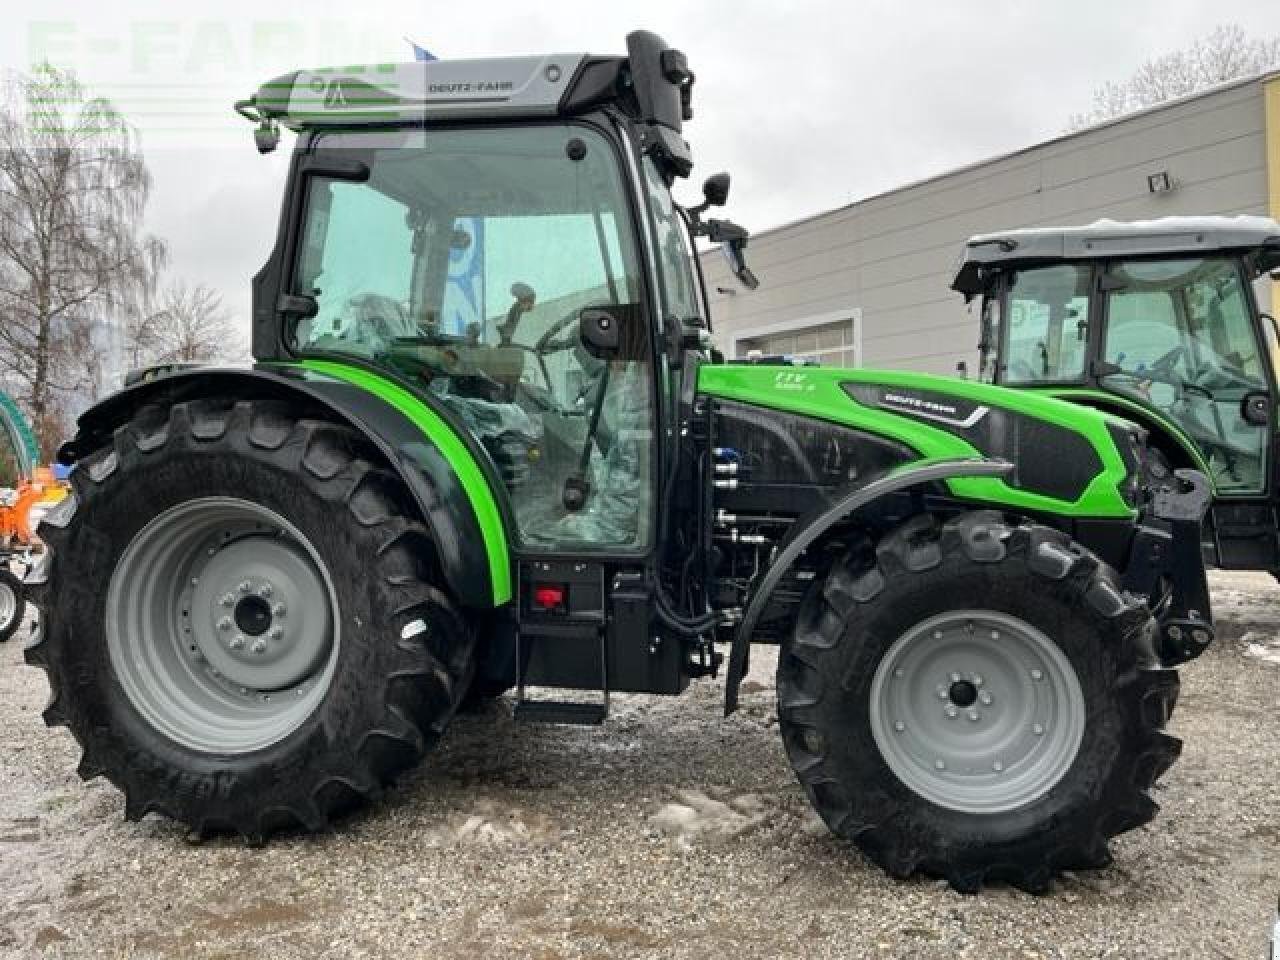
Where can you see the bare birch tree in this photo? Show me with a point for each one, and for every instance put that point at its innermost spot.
(73, 258)
(1227, 53)
(190, 324)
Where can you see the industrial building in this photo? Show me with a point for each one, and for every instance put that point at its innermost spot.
(868, 284)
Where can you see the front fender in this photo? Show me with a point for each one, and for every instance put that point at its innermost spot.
(448, 480)
(805, 533)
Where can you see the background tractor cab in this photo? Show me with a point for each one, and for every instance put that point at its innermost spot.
(1157, 321)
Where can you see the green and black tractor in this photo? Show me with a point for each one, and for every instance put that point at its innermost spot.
(1158, 321)
(486, 445)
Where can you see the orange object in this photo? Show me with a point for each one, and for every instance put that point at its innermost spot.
(34, 498)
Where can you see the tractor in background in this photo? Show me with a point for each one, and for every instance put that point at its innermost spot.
(1160, 322)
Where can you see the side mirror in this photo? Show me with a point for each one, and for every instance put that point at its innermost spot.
(1255, 408)
(600, 332)
(733, 241)
(715, 190)
(735, 253)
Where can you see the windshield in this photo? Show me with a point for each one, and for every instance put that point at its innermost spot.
(1180, 337)
(464, 264)
(680, 293)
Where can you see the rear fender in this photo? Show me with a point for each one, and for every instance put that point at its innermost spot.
(450, 481)
(809, 530)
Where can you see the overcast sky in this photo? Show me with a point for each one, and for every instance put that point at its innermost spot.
(809, 105)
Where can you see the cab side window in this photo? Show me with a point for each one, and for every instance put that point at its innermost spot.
(1045, 323)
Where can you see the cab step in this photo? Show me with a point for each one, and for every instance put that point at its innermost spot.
(561, 711)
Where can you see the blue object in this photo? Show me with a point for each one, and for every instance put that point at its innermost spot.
(61, 471)
(421, 53)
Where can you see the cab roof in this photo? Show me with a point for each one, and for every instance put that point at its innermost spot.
(989, 252)
(536, 86)
(652, 85)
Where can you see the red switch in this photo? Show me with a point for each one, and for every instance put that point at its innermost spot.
(548, 597)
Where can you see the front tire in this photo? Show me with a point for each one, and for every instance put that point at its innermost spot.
(243, 626)
(13, 603)
(977, 702)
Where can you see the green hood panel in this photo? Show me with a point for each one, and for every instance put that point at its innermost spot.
(1142, 415)
(455, 452)
(819, 392)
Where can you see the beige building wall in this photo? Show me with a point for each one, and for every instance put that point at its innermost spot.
(882, 266)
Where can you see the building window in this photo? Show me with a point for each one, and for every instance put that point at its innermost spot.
(833, 340)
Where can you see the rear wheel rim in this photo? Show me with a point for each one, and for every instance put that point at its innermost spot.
(977, 711)
(8, 606)
(222, 625)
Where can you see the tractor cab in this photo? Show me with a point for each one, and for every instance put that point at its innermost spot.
(501, 236)
(1162, 322)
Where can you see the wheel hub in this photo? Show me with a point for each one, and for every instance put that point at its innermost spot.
(265, 622)
(977, 711)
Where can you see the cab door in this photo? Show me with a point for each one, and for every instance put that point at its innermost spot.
(1180, 338)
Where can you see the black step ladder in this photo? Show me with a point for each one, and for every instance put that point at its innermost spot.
(560, 711)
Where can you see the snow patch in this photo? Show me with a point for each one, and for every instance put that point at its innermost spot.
(1262, 646)
(491, 824)
(697, 815)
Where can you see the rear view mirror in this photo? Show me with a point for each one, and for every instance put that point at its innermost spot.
(715, 190)
(734, 252)
(733, 241)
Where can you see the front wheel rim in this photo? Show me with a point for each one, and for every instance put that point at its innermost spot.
(977, 711)
(222, 625)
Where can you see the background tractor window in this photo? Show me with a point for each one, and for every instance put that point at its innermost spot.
(463, 264)
(1044, 326)
(1179, 337)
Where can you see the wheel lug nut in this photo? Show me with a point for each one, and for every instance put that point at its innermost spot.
(937, 634)
(265, 591)
(276, 633)
(952, 711)
(955, 678)
(942, 693)
(997, 766)
(985, 698)
(977, 679)
(899, 726)
(228, 599)
(995, 634)
(1036, 675)
(224, 623)
(940, 764)
(245, 586)
(259, 646)
(278, 610)
(1038, 730)
(237, 642)
(974, 716)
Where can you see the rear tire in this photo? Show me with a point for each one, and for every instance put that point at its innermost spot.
(13, 604)
(1042, 750)
(298, 526)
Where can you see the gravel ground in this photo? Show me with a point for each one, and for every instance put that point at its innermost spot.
(671, 832)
